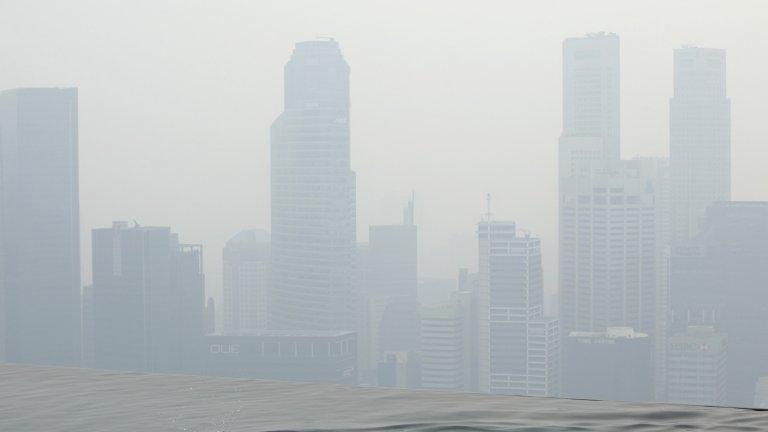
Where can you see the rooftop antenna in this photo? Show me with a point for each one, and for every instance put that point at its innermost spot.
(408, 211)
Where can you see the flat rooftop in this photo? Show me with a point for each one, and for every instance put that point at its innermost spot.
(65, 399)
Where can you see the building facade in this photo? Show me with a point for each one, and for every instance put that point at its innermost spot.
(148, 300)
(616, 364)
(39, 227)
(591, 90)
(696, 369)
(442, 347)
(283, 355)
(247, 281)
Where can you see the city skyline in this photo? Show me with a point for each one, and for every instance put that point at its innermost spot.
(650, 285)
(222, 111)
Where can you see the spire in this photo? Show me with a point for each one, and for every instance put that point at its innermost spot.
(408, 211)
(488, 207)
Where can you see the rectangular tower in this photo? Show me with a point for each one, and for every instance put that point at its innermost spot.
(148, 293)
(247, 281)
(39, 227)
(519, 351)
(591, 90)
(699, 137)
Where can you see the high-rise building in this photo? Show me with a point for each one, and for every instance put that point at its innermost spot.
(387, 291)
(591, 91)
(247, 281)
(313, 194)
(696, 366)
(613, 213)
(442, 346)
(610, 247)
(39, 227)
(719, 279)
(699, 137)
(466, 296)
(616, 364)
(148, 292)
(519, 348)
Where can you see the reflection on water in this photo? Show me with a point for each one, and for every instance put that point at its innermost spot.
(60, 399)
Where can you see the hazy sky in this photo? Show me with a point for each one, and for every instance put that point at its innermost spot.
(451, 99)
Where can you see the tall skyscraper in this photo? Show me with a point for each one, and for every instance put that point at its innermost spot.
(719, 279)
(699, 138)
(614, 214)
(591, 90)
(39, 227)
(313, 194)
(148, 293)
(247, 281)
(519, 347)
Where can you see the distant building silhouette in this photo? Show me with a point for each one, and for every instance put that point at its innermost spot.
(392, 255)
(39, 227)
(148, 292)
(389, 316)
(247, 281)
(313, 194)
(719, 279)
(699, 137)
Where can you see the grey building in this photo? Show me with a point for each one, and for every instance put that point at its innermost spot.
(719, 279)
(392, 258)
(443, 330)
(247, 281)
(699, 137)
(39, 227)
(614, 214)
(324, 356)
(148, 292)
(611, 247)
(519, 348)
(313, 194)
(591, 95)
(697, 358)
(615, 364)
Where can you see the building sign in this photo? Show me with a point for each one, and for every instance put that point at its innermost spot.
(224, 349)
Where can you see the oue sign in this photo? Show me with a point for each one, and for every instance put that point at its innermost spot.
(224, 348)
